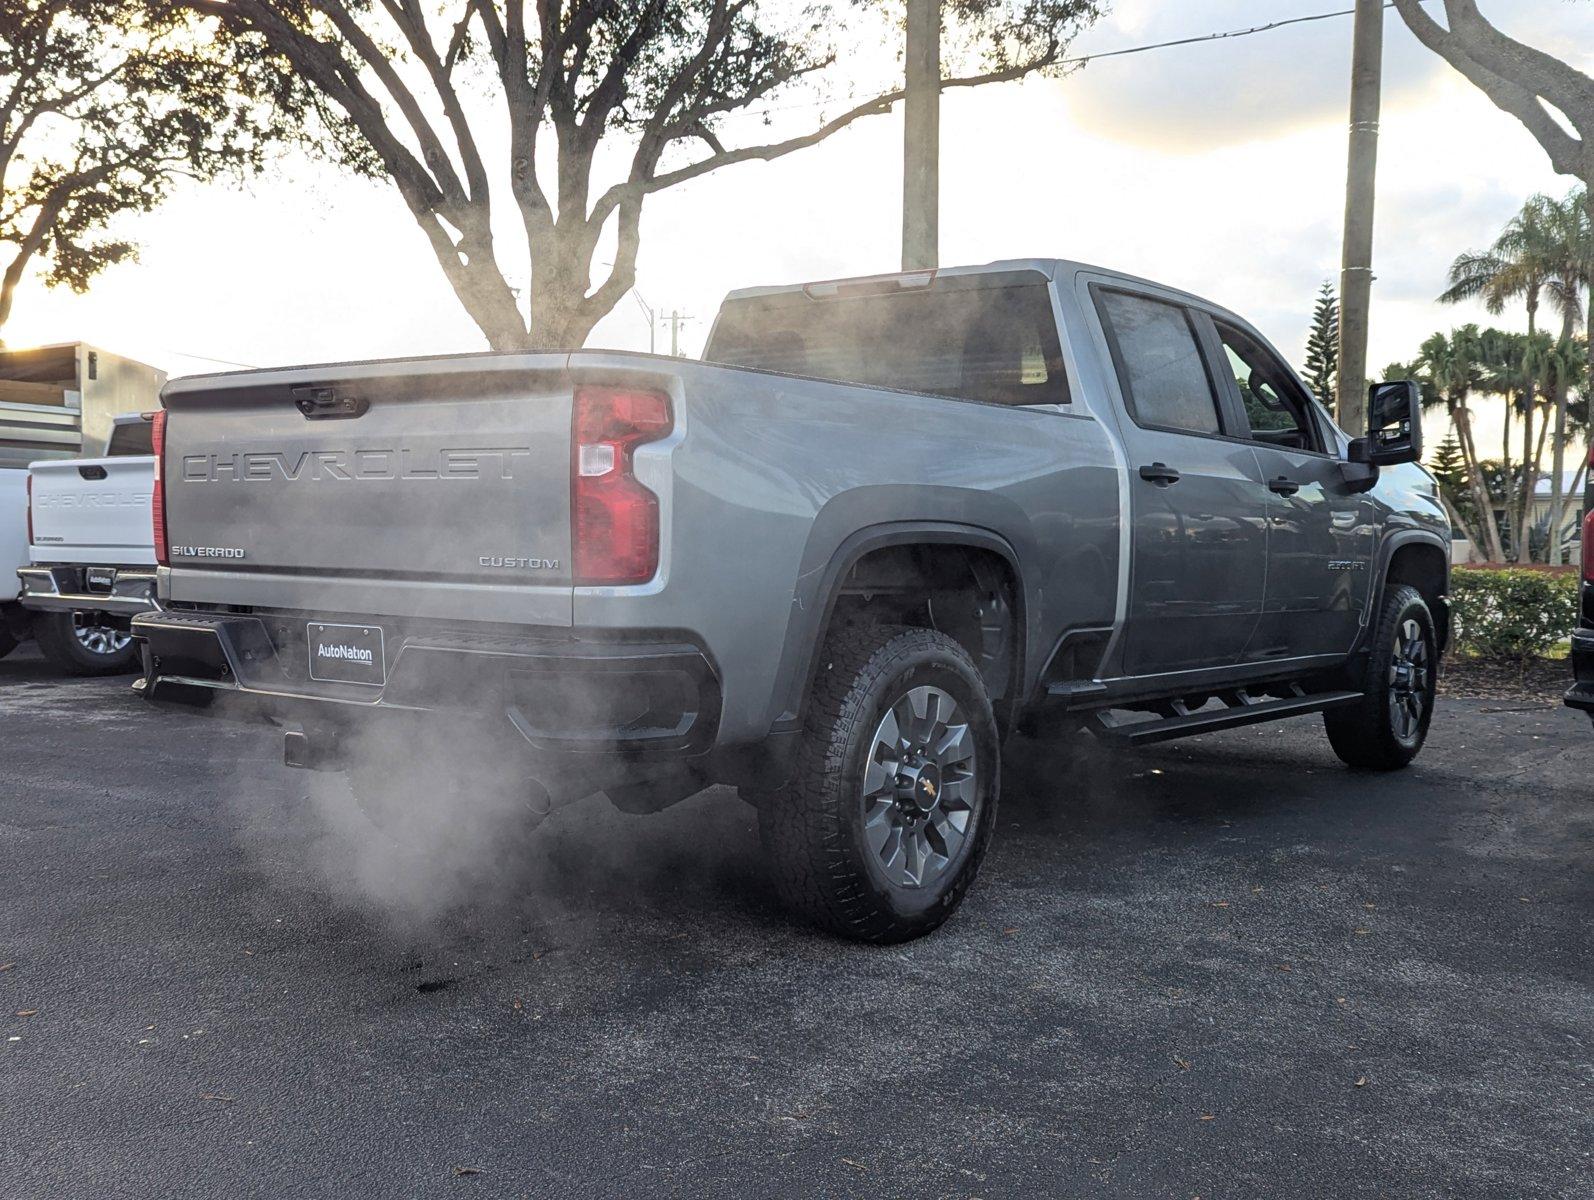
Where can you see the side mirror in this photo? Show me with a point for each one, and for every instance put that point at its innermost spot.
(1394, 423)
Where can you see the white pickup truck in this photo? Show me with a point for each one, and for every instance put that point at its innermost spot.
(91, 552)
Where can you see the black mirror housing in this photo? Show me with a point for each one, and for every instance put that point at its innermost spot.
(1394, 422)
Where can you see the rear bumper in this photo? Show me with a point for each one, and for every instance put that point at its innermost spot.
(128, 592)
(1581, 693)
(556, 695)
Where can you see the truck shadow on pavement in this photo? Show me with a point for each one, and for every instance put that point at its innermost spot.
(1070, 816)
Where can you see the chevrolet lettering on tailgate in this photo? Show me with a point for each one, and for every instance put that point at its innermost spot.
(488, 462)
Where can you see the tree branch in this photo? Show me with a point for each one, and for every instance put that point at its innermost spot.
(877, 105)
(1518, 99)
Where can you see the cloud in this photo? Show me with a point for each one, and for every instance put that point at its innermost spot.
(1196, 98)
(1215, 168)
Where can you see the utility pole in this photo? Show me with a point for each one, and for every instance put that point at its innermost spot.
(676, 319)
(921, 149)
(652, 319)
(1356, 276)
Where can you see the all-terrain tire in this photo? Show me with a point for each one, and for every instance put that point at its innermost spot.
(1373, 733)
(824, 863)
(59, 642)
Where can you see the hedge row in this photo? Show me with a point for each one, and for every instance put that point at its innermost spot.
(1511, 612)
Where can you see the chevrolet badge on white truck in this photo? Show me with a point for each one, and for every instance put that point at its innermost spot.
(883, 524)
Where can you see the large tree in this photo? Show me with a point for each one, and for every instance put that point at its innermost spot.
(1451, 369)
(1543, 254)
(104, 105)
(659, 92)
(1553, 99)
(1571, 259)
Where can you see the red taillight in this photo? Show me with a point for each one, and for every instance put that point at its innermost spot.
(614, 520)
(30, 510)
(157, 499)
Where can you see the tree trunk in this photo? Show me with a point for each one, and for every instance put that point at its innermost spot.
(1577, 479)
(1532, 472)
(1507, 484)
(1457, 521)
(560, 317)
(9, 283)
(1522, 552)
(1490, 545)
(1558, 451)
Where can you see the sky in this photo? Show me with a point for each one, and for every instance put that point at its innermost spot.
(1218, 168)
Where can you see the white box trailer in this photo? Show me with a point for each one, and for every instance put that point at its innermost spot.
(59, 401)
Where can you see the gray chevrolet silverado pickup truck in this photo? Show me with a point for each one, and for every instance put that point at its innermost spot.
(884, 523)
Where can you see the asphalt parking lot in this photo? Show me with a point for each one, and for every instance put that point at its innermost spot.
(1224, 967)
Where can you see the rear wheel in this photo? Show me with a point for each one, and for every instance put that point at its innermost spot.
(84, 649)
(1386, 729)
(882, 829)
(7, 642)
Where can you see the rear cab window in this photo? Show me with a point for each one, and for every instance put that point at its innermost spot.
(961, 337)
(131, 437)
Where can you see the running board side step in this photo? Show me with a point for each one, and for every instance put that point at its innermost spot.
(1176, 720)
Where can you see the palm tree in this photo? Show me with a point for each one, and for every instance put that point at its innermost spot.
(1545, 252)
(1513, 268)
(1565, 367)
(1449, 369)
(1512, 364)
(1570, 257)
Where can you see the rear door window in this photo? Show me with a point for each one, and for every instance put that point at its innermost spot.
(1160, 368)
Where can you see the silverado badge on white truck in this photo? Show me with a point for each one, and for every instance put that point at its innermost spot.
(884, 524)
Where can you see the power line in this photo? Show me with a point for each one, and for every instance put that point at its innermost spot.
(1223, 35)
(1199, 39)
(226, 362)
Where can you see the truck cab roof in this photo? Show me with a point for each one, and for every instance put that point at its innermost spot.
(999, 271)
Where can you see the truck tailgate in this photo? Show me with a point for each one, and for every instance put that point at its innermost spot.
(433, 488)
(93, 511)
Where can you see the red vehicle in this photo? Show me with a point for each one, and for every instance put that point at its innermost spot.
(1581, 694)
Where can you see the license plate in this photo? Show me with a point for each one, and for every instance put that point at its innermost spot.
(346, 653)
(101, 579)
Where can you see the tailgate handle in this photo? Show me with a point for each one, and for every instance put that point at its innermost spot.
(324, 403)
(95, 472)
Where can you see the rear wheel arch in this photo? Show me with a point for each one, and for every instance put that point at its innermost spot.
(872, 566)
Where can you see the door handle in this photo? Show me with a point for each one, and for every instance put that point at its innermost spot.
(1283, 486)
(1160, 474)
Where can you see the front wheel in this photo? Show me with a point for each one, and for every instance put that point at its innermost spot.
(1386, 728)
(881, 831)
(85, 649)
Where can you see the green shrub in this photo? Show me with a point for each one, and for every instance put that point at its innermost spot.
(1512, 612)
